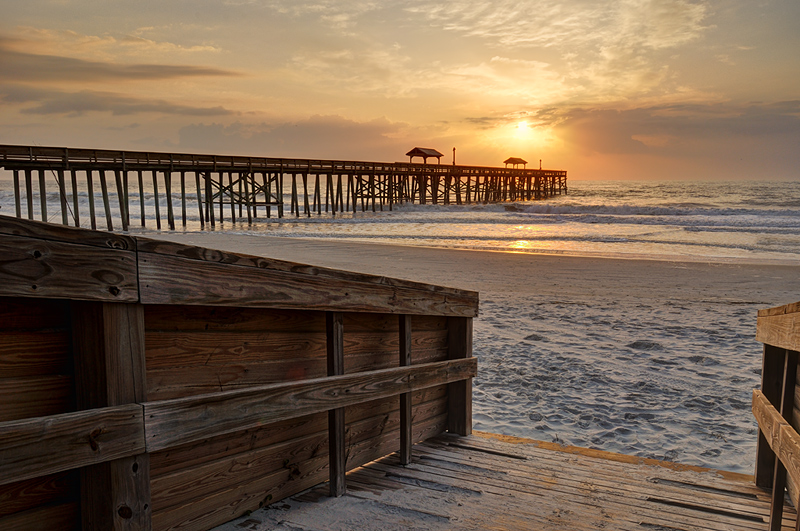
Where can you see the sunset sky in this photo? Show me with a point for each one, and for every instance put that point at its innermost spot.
(624, 89)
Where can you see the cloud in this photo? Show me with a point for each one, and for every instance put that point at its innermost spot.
(643, 23)
(326, 137)
(684, 131)
(54, 102)
(27, 67)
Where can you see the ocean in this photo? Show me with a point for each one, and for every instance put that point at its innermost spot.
(667, 378)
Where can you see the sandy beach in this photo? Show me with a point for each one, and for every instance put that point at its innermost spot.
(643, 357)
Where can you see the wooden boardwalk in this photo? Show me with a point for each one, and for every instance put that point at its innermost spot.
(493, 482)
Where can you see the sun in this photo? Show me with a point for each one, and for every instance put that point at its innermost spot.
(523, 129)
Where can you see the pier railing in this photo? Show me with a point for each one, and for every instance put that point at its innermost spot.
(150, 385)
(127, 188)
(777, 408)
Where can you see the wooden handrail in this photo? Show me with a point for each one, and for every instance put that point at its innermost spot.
(781, 436)
(44, 445)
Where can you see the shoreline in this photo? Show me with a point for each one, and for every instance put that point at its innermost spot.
(214, 236)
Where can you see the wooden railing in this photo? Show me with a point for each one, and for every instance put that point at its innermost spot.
(777, 408)
(179, 387)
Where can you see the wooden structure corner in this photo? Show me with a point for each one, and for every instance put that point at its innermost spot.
(149, 385)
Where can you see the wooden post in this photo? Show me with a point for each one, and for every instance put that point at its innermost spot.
(334, 323)
(199, 199)
(183, 198)
(29, 193)
(772, 366)
(168, 194)
(233, 204)
(406, 431)
(62, 196)
(459, 340)
(75, 203)
(141, 197)
(786, 406)
(90, 190)
(108, 343)
(123, 207)
(42, 196)
(17, 198)
(155, 199)
(106, 206)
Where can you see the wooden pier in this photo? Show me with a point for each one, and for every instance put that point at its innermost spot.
(214, 189)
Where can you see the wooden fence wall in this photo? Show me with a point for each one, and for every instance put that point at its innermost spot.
(151, 385)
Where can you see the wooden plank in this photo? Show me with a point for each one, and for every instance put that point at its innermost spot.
(47, 231)
(110, 371)
(179, 421)
(172, 280)
(31, 493)
(460, 393)
(45, 518)
(35, 353)
(780, 310)
(46, 445)
(179, 382)
(780, 435)
(196, 348)
(780, 330)
(164, 318)
(172, 249)
(35, 397)
(224, 505)
(405, 338)
(334, 322)
(39, 268)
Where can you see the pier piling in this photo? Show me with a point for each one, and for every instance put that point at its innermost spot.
(220, 181)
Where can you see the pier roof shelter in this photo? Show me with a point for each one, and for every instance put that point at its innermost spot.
(424, 153)
(516, 161)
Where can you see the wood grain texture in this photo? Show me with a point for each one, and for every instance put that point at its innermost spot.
(165, 318)
(172, 280)
(31, 267)
(334, 329)
(59, 233)
(44, 490)
(782, 438)
(46, 445)
(223, 257)
(780, 330)
(64, 516)
(110, 371)
(460, 392)
(780, 310)
(179, 421)
(39, 396)
(35, 353)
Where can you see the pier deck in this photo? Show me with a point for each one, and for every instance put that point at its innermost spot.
(494, 482)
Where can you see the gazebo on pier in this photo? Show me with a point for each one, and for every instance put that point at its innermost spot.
(515, 161)
(424, 153)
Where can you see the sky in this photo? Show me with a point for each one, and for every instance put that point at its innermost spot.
(623, 89)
